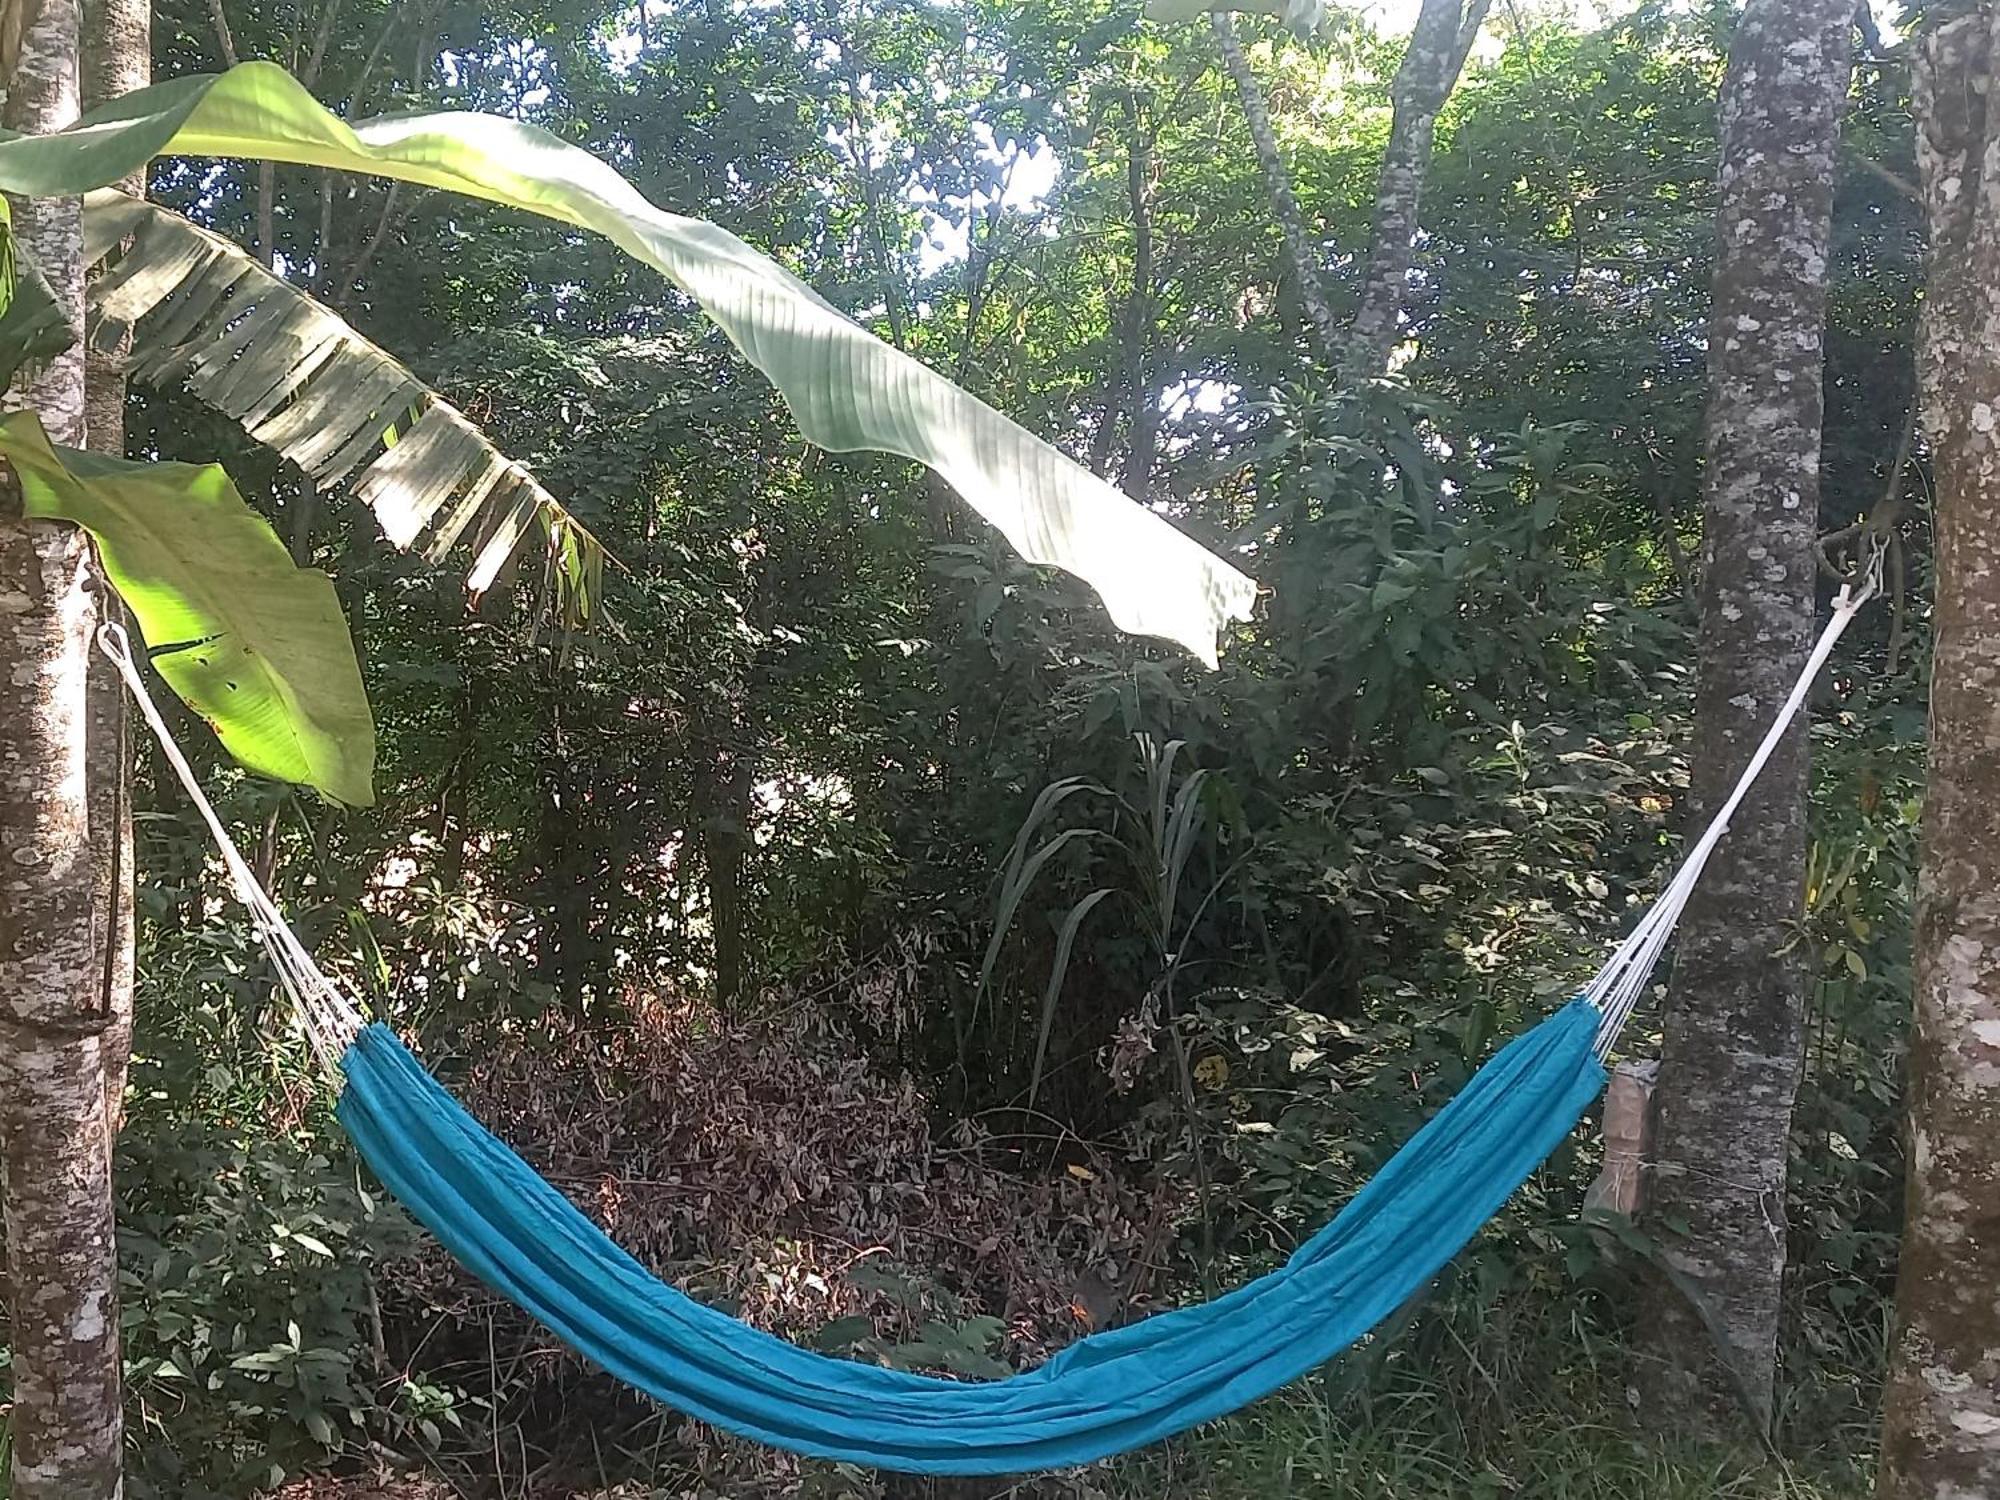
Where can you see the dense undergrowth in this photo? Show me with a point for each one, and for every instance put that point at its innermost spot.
(733, 917)
(951, 1140)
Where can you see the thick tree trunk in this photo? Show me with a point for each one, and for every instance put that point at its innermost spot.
(61, 1253)
(117, 58)
(1299, 246)
(1443, 36)
(1941, 1429)
(1730, 1068)
(1135, 338)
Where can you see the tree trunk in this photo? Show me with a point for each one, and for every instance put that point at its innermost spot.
(1735, 1024)
(725, 836)
(1941, 1421)
(1135, 337)
(117, 58)
(1299, 246)
(61, 1252)
(1443, 36)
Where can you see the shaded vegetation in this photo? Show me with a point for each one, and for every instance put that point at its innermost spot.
(881, 944)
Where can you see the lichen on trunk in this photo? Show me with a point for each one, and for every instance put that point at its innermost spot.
(1731, 1055)
(54, 1100)
(116, 57)
(1439, 44)
(1941, 1430)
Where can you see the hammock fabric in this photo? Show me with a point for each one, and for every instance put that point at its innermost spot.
(1108, 1393)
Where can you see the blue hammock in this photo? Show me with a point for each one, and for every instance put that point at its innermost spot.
(1108, 1393)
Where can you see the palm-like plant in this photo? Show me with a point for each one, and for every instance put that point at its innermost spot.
(303, 382)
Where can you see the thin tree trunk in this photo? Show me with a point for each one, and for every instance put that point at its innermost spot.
(117, 58)
(61, 1251)
(725, 834)
(1439, 44)
(1941, 1420)
(1137, 476)
(1278, 182)
(1735, 1026)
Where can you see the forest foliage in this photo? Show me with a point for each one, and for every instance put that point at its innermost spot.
(880, 941)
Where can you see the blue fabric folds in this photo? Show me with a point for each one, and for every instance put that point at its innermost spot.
(1109, 1392)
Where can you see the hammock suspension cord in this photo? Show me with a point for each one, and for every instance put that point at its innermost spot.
(1620, 984)
(330, 1019)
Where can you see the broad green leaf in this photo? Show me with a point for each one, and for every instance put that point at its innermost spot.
(299, 379)
(847, 389)
(253, 643)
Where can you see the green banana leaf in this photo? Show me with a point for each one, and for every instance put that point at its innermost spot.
(204, 315)
(252, 642)
(847, 389)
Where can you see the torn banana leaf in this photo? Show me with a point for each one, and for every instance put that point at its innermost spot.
(206, 315)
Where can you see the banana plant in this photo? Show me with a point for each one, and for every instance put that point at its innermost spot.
(847, 389)
(303, 382)
(204, 314)
(252, 642)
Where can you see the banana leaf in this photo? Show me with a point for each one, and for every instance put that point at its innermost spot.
(250, 641)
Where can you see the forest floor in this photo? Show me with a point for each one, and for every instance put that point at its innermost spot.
(1280, 1452)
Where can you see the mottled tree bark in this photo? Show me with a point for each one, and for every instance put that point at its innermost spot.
(117, 58)
(1735, 1024)
(61, 1255)
(1941, 1427)
(1299, 246)
(1443, 36)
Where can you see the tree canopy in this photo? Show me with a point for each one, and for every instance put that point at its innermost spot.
(898, 940)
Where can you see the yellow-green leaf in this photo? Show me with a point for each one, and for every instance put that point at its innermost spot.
(250, 641)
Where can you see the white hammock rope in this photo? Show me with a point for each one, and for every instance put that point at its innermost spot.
(1621, 983)
(332, 1019)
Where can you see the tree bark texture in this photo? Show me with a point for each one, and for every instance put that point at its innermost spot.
(1299, 245)
(1439, 44)
(117, 58)
(1143, 411)
(1941, 1423)
(1735, 1023)
(61, 1252)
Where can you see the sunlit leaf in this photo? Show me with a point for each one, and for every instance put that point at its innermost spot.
(250, 641)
